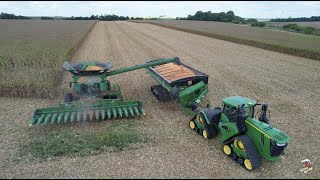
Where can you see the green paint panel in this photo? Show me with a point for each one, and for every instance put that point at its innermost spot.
(41, 119)
(114, 113)
(60, 118)
(136, 110)
(109, 113)
(131, 112)
(125, 111)
(47, 118)
(54, 117)
(73, 116)
(120, 112)
(66, 117)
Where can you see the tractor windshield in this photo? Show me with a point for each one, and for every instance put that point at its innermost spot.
(247, 111)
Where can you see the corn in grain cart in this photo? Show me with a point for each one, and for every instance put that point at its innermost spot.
(178, 81)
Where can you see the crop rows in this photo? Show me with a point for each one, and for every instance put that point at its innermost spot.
(275, 40)
(32, 54)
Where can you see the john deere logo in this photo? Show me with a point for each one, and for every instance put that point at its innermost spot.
(307, 166)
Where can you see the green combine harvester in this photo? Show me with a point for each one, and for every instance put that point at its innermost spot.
(245, 133)
(90, 84)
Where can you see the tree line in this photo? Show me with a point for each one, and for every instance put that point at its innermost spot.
(209, 16)
(222, 17)
(12, 16)
(104, 18)
(300, 19)
(92, 17)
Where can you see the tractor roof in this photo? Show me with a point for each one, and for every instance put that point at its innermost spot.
(234, 101)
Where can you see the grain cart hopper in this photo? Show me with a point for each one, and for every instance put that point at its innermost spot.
(179, 82)
(90, 84)
(244, 131)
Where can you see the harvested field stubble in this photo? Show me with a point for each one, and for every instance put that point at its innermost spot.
(280, 41)
(32, 54)
(288, 83)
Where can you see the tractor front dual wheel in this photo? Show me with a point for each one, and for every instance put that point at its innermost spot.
(244, 143)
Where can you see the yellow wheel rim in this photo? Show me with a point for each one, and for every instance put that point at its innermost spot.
(200, 119)
(204, 133)
(247, 164)
(192, 125)
(227, 149)
(241, 146)
(237, 143)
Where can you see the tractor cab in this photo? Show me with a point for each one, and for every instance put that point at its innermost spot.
(234, 105)
(231, 106)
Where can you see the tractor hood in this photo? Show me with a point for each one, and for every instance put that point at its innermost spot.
(268, 130)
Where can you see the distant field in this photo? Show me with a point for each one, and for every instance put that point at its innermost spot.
(32, 53)
(315, 24)
(280, 41)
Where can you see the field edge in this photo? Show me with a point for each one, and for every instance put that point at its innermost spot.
(272, 47)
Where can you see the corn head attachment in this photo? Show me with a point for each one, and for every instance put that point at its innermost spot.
(90, 83)
(78, 111)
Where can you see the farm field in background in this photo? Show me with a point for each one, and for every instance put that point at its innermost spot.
(280, 41)
(315, 24)
(32, 53)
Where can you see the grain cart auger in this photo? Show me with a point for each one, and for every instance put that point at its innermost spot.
(90, 84)
(178, 81)
(244, 131)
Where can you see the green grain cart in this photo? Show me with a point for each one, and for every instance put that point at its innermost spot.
(180, 82)
(245, 131)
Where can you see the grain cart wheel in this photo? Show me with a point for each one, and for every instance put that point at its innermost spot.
(192, 125)
(68, 97)
(209, 131)
(245, 143)
(227, 149)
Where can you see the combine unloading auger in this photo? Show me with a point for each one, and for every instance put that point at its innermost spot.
(90, 84)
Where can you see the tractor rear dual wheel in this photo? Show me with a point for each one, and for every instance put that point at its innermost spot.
(194, 127)
(209, 131)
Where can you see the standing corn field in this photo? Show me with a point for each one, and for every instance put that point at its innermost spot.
(32, 54)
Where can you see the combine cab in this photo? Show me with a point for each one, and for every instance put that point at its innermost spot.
(93, 96)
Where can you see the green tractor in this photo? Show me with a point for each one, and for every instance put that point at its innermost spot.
(245, 132)
(93, 97)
